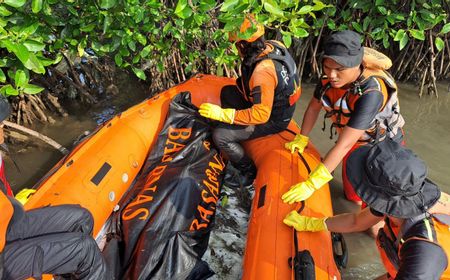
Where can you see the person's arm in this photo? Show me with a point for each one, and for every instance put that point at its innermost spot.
(421, 260)
(352, 222)
(363, 117)
(310, 116)
(348, 222)
(262, 88)
(347, 139)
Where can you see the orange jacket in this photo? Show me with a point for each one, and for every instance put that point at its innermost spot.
(340, 103)
(7, 211)
(271, 84)
(390, 239)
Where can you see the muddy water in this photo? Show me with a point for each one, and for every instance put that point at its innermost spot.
(427, 133)
(35, 160)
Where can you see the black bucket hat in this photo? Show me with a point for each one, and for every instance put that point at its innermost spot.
(345, 48)
(5, 109)
(391, 179)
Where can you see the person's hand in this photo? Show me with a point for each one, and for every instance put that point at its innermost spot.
(24, 195)
(215, 112)
(303, 223)
(303, 190)
(299, 143)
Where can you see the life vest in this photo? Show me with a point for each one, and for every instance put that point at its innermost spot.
(432, 228)
(339, 103)
(288, 89)
(5, 216)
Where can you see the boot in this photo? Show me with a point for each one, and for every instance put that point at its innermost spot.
(232, 177)
(247, 169)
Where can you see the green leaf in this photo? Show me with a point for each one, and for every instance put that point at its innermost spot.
(8, 90)
(445, 28)
(4, 12)
(305, 10)
(183, 10)
(403, 41)
(118, 59)
(20, 51)
(146, 50)
(36, 6)
(20, 78)
(32, 89)
(287, 39)
(439, 44)
(15, 3)
(366, 23)
(400, 34)
(417, 34)
(300, 33)
(29, 29)
(2, 76)
(34, 64)
(273, 8)
(227, 5)
(382, 10)
(139, 73)
(107, 4)
(207, 5)
(357, 27)
(34, 46)
(88, 28)
(132, 46)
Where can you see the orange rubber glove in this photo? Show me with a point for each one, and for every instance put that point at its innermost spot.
(215, 112)
(303, 190)
(299, 143)
(303, 223)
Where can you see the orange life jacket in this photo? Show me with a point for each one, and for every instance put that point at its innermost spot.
(6, 214)
(390, 241)
(288, 89)
(340, 103)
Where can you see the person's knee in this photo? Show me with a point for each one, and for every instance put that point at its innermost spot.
(81, 218)
(220, 138)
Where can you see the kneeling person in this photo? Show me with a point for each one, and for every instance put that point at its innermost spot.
(415, 241)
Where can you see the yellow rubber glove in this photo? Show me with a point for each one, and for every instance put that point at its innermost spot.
(301, 191)
(300, 141)
(24, 195)
(303, 223)
(215, 112)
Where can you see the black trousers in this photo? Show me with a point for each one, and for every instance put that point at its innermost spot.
(228, 136)
(52, 240)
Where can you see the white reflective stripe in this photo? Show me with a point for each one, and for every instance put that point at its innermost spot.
(341, 104)
(429, 232)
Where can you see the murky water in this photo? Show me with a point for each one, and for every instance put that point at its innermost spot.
(427, 133)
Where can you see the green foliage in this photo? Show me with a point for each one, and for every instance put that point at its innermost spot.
(150, 35)
(293, 19)
(396, 21)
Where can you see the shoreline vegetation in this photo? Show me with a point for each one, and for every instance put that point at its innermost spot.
(54, 52)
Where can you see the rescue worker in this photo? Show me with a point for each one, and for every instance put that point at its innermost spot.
(415, 241)
(262, 103)
(361, 100)
(48, 240)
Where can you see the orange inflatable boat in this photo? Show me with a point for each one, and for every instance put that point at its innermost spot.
(101, 168)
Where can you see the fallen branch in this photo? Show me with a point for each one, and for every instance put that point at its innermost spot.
(38, 135)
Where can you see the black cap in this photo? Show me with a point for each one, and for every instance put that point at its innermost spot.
(345, 48)
(391, 179)
(5, 109)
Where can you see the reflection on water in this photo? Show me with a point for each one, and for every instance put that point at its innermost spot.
(427, 133)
